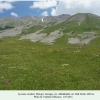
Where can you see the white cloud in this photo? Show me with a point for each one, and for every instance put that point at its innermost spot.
(5, 6)
(44, 4)
(14, 14)
(77, 6)
(45, 13)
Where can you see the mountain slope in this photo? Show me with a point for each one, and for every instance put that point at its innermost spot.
(80, 28)
(83, 22)
(61, 65)
(56, 19)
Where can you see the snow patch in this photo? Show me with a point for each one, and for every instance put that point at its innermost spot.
(42, 19)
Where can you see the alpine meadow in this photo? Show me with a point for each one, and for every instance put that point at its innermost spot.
(50, 53)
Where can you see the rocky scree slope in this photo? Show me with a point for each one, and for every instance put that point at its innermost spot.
(79, 29)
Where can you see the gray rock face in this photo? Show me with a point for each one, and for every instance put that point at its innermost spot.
(24, 23)
(34, 36)
(42, 37)
(31, 20)
(11, 32)
(86, 37)
(74, 40)
(56, 19)
(8, 21)
(78, 17)
(52, 37)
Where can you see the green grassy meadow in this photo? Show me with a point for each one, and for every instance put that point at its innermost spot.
(26, 65)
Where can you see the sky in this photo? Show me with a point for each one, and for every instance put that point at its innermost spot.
(41, 8)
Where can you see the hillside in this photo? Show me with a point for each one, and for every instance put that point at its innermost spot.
(61, 53)
(78, 29)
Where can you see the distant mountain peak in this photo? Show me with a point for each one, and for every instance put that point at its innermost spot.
(64, 15)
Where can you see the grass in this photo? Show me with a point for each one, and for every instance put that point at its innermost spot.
(89, 24)
(35, 66)
(26, 65)
(52, 28)
(31, 29)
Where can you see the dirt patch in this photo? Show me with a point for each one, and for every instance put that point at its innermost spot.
(6, 82)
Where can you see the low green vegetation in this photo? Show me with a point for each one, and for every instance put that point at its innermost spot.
(52, 28)
(31, 29)
(6, 27)
(25, 65)
(89, 24)
(35, 28)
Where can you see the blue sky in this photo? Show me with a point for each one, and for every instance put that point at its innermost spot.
(22, 8)
(48, 7)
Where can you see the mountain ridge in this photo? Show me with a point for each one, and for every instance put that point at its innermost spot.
(72, 26)
(50, 56)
